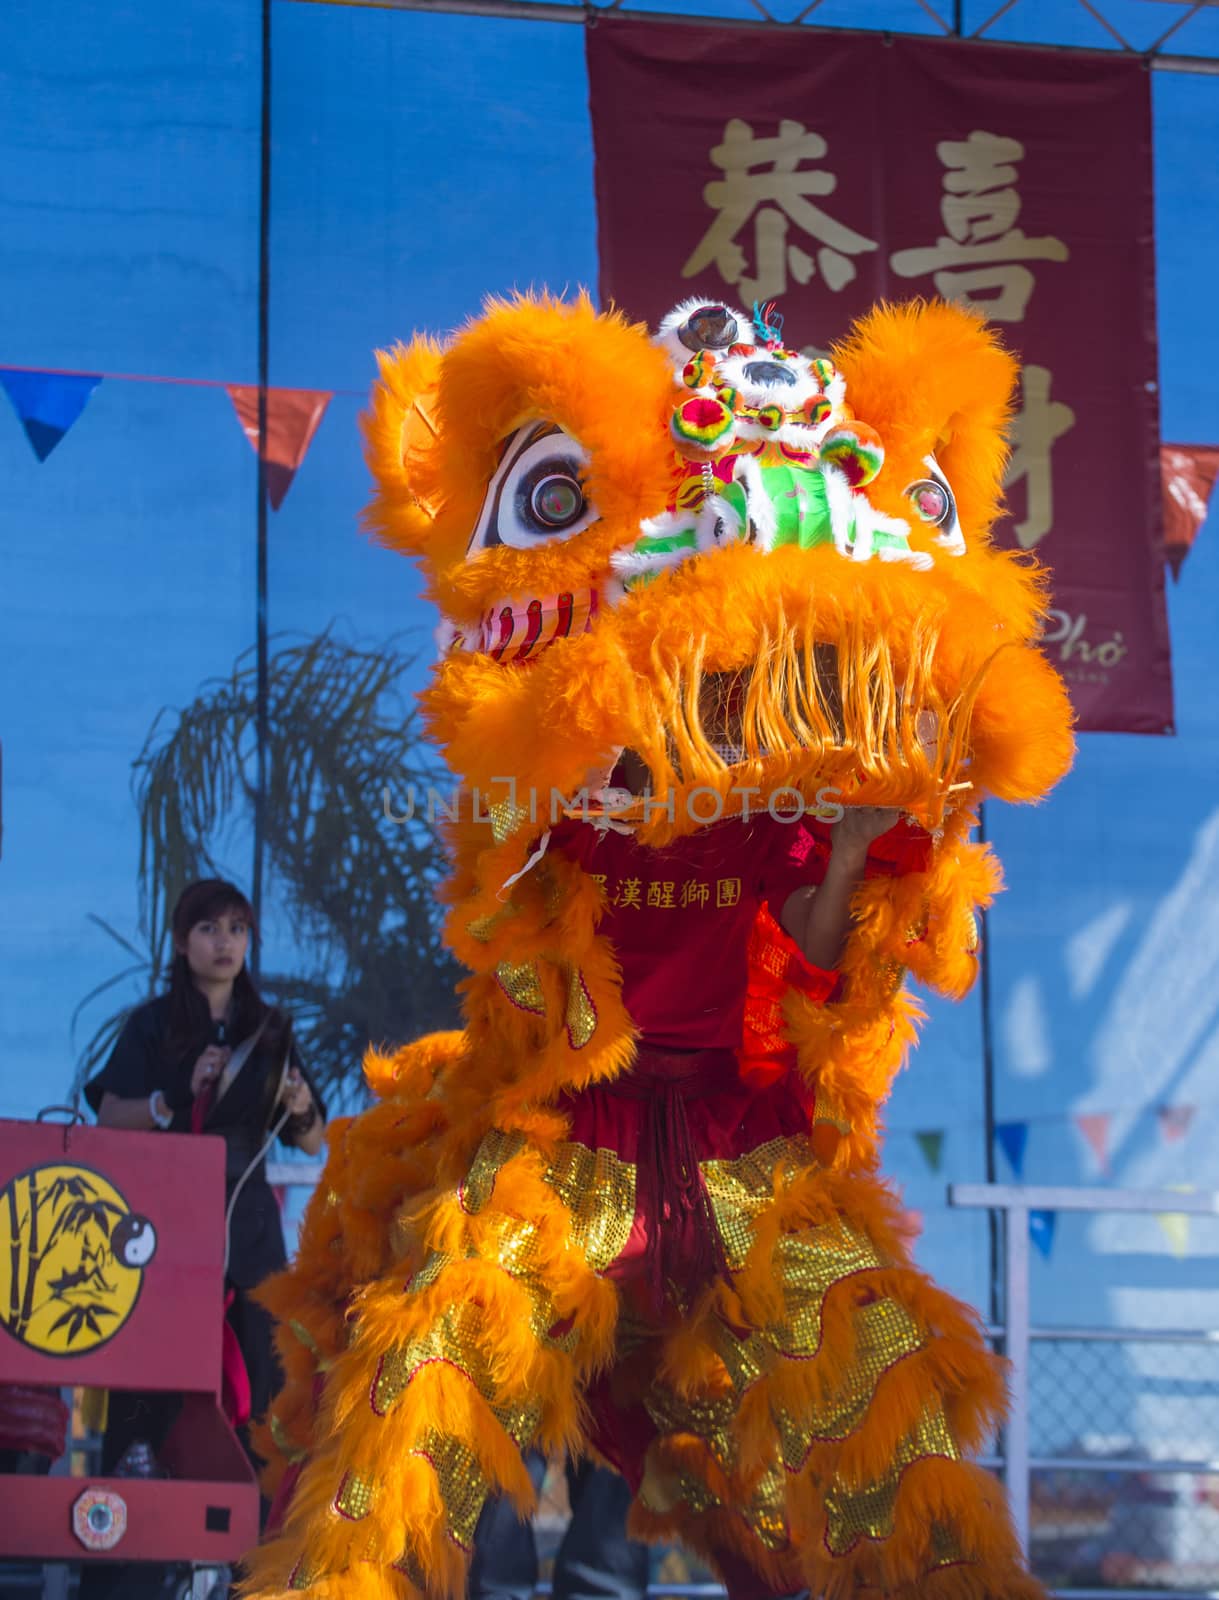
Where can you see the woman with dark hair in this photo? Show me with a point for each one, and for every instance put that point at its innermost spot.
(211, 1056)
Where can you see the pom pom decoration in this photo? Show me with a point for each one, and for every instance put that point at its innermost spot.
(701, 427)
(699, 370)
(816, 410)
(856, 450)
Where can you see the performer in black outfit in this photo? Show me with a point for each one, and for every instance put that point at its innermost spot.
(596, 1560)
(210, 1056)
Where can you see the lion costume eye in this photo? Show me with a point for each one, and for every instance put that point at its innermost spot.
(934, 502)
(556, 501)
(931, 500)
(537, 491)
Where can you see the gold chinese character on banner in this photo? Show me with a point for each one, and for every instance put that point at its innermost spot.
(660, 894)
(768, 181)
(1035, 430)
(979, 258)
(727, 891)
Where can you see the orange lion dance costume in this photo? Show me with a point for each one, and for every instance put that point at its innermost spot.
(701, 595)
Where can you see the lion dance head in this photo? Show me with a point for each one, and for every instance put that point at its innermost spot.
(721, 570)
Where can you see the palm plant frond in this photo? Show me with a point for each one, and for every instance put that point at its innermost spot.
(358, 890)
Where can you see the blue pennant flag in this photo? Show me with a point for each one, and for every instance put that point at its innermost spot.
(47, 403)
(1012, 1137)
(1041, 1230)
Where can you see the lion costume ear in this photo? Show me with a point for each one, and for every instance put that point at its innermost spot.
(933, 379)
(402, 445)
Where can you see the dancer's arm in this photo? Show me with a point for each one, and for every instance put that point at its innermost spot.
(818, 916)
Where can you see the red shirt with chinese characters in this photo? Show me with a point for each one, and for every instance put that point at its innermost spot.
(680, 918)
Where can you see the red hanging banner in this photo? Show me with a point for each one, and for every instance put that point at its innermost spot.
(827, 171)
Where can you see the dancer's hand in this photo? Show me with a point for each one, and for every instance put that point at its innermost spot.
(859, 827)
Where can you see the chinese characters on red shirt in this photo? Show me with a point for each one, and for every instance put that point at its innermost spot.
(668, 894)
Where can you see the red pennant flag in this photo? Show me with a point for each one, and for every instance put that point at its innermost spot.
(293, 417)
(1174, 1122)
(1095, 1128)
(1187, 475)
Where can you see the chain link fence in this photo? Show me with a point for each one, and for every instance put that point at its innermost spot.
(1137, 1407)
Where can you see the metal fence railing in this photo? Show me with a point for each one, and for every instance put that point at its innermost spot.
(1107, 1503)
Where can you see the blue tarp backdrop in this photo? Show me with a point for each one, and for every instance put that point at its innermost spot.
(419, 162)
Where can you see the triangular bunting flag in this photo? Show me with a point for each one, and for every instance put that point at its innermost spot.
(931, 1143)
(293, 417)
(1175, 1227)
(1013, 1137)
(1041, 1230)
(47, 403)
(1174, 1122)
(1094, 1126)
(1187, 474)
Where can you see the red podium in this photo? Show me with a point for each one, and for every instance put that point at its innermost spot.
(111, 1277)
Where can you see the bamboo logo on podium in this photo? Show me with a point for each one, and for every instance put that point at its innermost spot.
(72, 1259)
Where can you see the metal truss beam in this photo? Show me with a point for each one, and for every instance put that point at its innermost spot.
(589, 15)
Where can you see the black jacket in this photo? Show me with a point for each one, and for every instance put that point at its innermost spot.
(141, 1063)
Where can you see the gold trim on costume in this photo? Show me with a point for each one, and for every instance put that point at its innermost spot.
(596, 1186)
(304, 1337)
(917, 930)
(459, 1478)
(581, 1015)
(741, 1189)
(598, 1189)
(893, 972)
(868, 1511)
(483, 929)
(494, 1150)
(506, 817)
(764, 1509)
(283, 1442)
(304, 1574)
(523, 986)
(885, 1334)
(355, 1497)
